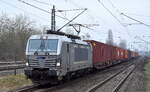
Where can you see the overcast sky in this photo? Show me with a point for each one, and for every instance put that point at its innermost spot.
(96, 14)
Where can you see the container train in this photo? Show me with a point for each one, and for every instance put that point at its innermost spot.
(54, 57)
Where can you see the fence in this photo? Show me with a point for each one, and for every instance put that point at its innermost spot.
(9, 66)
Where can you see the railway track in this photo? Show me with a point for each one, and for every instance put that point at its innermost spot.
(36, 87)
(27, 88)
(114, 82)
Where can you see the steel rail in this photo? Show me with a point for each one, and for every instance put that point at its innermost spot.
(27, 88)
(116, 89)
(95, 87)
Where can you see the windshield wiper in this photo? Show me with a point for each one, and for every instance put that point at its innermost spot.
(41, 47)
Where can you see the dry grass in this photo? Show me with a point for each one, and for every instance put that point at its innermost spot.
(13, 82)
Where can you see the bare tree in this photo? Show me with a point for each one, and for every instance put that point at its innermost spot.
(110, 38)
(14, 33)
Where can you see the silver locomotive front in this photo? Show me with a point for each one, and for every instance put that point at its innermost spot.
(43, 57)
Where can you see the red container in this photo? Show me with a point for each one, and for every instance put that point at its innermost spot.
(126, 54)
(103, 54)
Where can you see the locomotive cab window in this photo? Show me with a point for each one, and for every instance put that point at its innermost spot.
(43, 45)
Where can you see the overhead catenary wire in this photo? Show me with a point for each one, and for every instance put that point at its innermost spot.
(48, 4)
(114, 6)
(11, 5)
(134, 14)
(49, 12)
(72, 20)
(40, 9)
(115, 17)
(89, 15)
(34, 6)
(58, 10)
(79, 8)
(70, 10)
(109, 12)
(128, 16)
(135, 20)
(42, 2)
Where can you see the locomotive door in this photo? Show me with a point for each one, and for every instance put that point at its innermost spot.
(68, 57)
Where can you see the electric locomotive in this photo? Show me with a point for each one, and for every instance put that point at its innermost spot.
(55, 57)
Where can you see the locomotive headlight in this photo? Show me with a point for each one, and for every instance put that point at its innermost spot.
(27, 64)
(58, 64)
